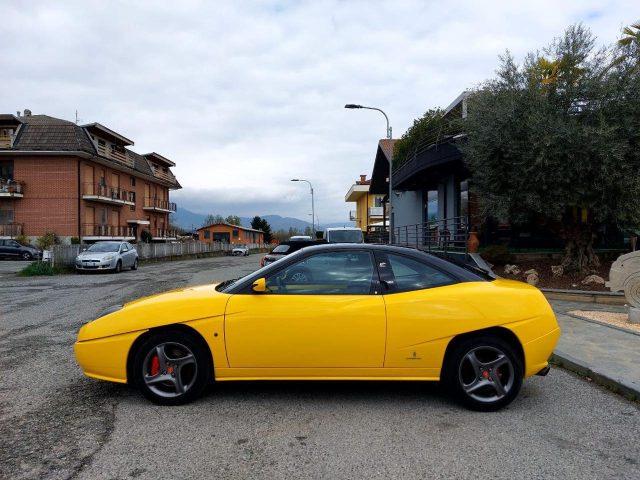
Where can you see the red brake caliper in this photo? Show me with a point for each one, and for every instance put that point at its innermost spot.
(155, 365)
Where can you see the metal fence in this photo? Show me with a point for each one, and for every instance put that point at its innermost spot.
(64, 255)
(446, 235)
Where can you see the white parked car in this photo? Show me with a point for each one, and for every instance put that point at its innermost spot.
(343, 235)
(110, 256)
(240, 250)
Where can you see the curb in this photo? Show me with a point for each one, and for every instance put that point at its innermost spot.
(605, 298)
(617, 385)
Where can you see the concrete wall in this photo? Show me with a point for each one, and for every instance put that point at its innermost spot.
(407, 208)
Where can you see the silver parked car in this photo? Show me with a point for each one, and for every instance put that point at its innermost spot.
(240, 250)
(112, 256)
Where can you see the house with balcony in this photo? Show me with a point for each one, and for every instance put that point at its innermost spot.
(228, 233)
(368, 214)
(80, 181)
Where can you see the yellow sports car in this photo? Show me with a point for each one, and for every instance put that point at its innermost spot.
(331, 312)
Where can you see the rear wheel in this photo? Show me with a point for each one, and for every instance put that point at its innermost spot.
(171, 368)
(483, 373)
(27, 256)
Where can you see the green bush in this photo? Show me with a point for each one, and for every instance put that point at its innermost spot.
(497, 254)
(145, 236)
(75, 241)
(46, 241)
(22, 240)
(39, 268)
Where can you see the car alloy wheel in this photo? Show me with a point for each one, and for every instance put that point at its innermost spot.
(299, 277)
(27, 256)
(135, 265)
(170, 370)
(171, 367)
(118, 268)
(486, 374)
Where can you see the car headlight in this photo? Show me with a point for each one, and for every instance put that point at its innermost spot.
(108, 258)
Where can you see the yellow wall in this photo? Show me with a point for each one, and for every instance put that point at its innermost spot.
(364, 202)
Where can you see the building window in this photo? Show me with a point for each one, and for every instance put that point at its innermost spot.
(431, 207)
(236, 233)
(6, 216)
(377, 201)
(464, 198)
(6, 169)
(133, 181)
(207, 234)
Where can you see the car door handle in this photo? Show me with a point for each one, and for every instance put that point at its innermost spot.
(388, 284)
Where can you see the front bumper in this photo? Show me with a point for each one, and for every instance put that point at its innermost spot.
(106, 358)
(95, 265)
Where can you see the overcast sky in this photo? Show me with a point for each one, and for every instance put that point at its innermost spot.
(244, 96)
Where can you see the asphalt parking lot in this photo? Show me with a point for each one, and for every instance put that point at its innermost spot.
(54, 423)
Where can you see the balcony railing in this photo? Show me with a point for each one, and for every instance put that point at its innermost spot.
(159, 205)
(353, 215)
(376, 211)
(109, 152)
(6, 141)
(160, 233)
(11, 188)
(10, 229)
(105, 193)
(107, 231)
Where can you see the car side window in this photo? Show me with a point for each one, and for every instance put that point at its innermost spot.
(330, 273)
(124, 248)
(410, 274)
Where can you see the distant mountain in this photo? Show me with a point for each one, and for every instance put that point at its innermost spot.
(187, 219)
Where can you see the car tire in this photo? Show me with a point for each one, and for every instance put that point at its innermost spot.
(118, 268)
(185, 356)
(27, 256)
(483, 373)
(135, 265)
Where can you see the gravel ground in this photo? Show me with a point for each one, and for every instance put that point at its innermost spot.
(54, 423)
(612, 318)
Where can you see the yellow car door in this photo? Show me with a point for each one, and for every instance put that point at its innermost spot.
(425, 307)
(319, 312)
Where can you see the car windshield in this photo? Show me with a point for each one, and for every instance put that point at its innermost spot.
(281, 249)
(102, 247)
(345, 236)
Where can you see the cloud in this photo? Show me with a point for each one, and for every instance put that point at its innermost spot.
(245, 95)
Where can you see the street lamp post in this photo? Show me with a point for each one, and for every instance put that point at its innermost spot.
(313, 210)
(389, 136)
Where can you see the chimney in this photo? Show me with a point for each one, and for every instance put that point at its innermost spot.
(363, 178)
(27, 112)
(18, 114)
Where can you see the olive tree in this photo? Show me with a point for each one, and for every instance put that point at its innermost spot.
(558, 138)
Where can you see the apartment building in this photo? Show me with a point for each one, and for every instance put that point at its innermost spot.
(369, 211)
(80, 181)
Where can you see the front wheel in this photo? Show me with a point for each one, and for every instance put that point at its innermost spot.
(483, 373)
(135, 265)
(171, 368)
(118, 268)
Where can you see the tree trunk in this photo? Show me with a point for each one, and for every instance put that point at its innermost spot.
(579, 255)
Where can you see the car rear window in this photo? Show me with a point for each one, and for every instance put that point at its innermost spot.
(281, 249)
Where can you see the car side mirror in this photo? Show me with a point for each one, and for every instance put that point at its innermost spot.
(259, 286)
